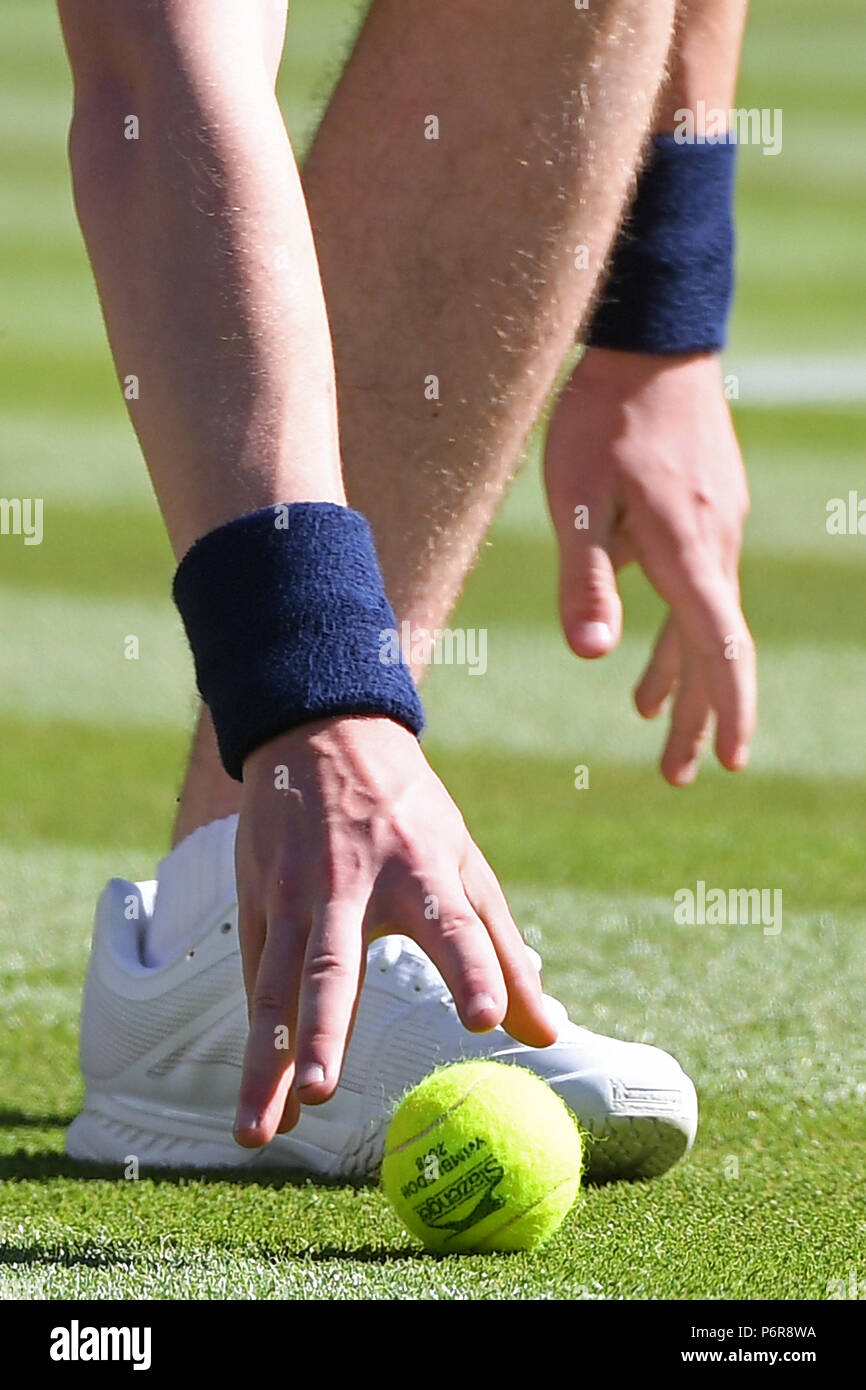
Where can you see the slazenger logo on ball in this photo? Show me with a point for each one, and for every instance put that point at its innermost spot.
(479, 1182)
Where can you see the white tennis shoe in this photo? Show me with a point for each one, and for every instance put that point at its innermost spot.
(162, 1050)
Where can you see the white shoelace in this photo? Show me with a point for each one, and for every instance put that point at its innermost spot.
(395, 949)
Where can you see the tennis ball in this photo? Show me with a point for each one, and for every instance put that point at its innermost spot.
(482, 1156)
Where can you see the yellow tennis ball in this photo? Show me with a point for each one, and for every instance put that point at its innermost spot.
(482, 1156)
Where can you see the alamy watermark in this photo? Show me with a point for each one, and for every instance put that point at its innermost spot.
(22, 516)
(711, 125)
(441, 646)
(846, 516)
(77, 1343)
(852, 1287)
(733, 907)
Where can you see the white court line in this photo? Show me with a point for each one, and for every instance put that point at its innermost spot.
(778, 381)
(92, 459)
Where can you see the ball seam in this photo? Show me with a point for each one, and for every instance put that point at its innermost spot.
(434, 1124)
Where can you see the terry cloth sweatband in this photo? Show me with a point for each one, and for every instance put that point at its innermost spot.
(671, 278)
(286, 614)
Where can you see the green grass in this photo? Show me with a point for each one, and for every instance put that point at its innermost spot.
(770, 1203)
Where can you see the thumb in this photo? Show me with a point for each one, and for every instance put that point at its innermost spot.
(589, 602)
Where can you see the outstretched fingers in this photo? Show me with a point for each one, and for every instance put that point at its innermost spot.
(266, 1101)
(526, 1017)
(332, 974)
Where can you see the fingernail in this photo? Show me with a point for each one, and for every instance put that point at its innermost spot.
(481, 1004)
(740, 759)
(556, 1013)
(594, 635)
(246, 1119)
(312, 1075)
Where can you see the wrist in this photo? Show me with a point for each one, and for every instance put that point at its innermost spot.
(605, 361)
(670, 282)
(620, 371)
(333, 736)
(285, 610)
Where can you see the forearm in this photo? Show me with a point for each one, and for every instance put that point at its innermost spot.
(704, 59)
(204, 260)
(669, 283)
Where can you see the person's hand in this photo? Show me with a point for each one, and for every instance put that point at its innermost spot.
(647, 446)
(345, 834)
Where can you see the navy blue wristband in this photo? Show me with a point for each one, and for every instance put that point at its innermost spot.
(285, 611)
(671, 278)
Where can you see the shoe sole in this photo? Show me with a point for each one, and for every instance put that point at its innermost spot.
(635, 1147)
(110, 1131)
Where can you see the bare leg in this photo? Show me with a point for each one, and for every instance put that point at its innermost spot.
(208, 792)
(459, 258)
(456, 257)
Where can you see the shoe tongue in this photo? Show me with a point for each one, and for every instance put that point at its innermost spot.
(195, 882)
